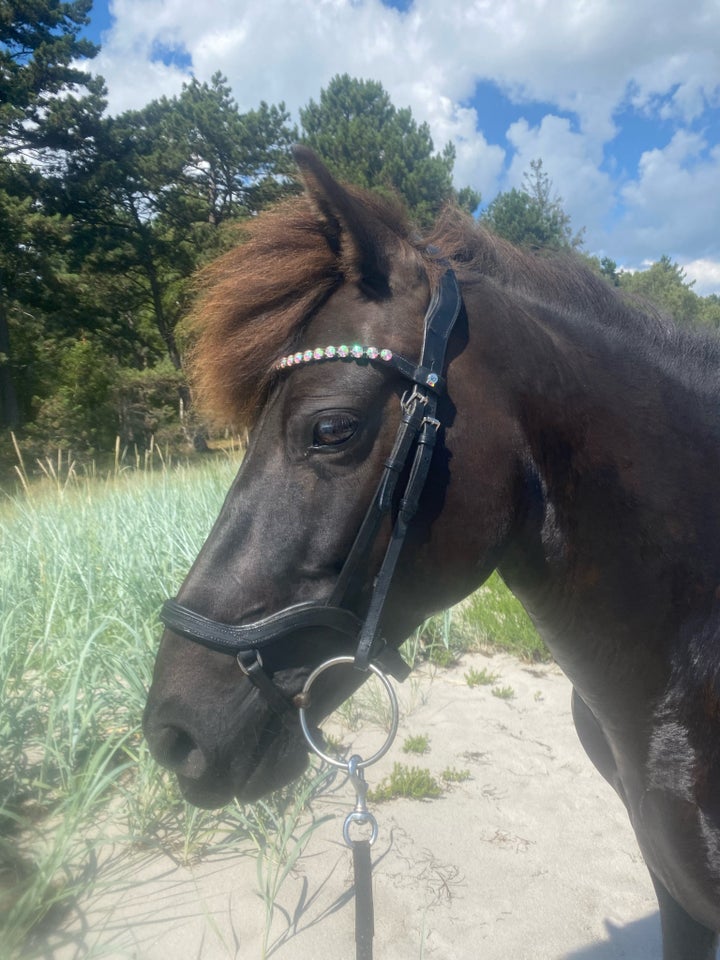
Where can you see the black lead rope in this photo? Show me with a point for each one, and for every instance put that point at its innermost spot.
(364, 909)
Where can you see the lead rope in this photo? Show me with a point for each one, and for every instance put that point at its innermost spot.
(360, 815)
(362, 863)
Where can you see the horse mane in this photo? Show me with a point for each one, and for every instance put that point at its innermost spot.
(590, 309)
(255, 300)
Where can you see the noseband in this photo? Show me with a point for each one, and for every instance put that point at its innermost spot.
(413, 446)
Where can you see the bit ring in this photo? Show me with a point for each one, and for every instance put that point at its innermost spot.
(395, 717)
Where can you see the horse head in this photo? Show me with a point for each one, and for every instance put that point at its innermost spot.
(303, 332)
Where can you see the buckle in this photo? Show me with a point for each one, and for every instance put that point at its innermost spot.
(432, 421)
(416, 396)
(246, 669)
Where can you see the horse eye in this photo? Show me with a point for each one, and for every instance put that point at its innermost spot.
(334, 429)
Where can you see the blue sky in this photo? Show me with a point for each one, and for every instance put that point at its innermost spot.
(621, 101)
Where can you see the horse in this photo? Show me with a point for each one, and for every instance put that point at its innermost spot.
(562, 434)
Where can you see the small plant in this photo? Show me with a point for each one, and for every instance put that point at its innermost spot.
(414, 783)
(334, 744)
(417, 744)
(441, 656)
(451, 775)
(503, 693)
(480, 678)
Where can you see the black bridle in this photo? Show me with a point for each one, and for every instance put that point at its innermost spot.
(415, 438)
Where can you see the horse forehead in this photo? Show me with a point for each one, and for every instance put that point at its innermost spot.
(351, 315)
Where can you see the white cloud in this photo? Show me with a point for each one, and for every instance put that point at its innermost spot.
(674, 204)
(706, 274)
(593, 59)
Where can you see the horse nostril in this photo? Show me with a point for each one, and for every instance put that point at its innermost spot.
(176, 749)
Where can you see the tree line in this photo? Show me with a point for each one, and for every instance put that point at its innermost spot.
(107, 219)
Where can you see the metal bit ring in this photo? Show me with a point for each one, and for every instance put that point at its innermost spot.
(343, 764)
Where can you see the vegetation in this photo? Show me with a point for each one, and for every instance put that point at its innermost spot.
(82, 577)
(420, 743)
(480, 678)
(451, 775)
(491, 618)
(531, 216)
(413, 783)
(367, 141)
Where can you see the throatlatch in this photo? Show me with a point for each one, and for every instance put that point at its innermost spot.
(414, 444)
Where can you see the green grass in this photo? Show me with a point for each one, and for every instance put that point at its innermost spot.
(480, 678)
(84, 567)
(414, 783)
(420, 743)
(490, 619)
(451, 775)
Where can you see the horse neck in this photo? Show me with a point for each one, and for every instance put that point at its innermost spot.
(614, 549)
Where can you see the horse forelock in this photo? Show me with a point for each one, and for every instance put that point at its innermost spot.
(255, 300)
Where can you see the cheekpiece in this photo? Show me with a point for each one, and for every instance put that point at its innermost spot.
(343, 352)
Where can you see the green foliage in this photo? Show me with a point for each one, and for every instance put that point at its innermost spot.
(413, 783)
(81, 411)
(81, 580)
(709, 314)
(150, 195)
(420, 743)
(665, 285)
(503, 693)
(451, 775)
(368, 141)
(39, 73)
(48, 105)
(532, 217)
(480, 678)
(146, 405)
(609, 270)
(489, 618)
(492, 617)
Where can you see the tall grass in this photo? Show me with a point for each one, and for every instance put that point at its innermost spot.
(85, 564)
(84, 567)
(489, 619)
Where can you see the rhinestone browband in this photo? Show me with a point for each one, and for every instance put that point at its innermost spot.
(343, 352)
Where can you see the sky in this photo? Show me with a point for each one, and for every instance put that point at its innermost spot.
(619, 98)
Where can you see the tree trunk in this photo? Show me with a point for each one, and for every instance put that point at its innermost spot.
(166, 331)
(9, 408)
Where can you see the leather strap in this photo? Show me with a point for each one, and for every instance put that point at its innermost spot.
(243, 638)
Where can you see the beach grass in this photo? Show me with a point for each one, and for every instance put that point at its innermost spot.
(85, 564)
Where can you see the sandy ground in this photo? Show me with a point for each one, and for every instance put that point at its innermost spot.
(532, 857)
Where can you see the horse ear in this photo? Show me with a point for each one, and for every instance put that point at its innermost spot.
(352, 228)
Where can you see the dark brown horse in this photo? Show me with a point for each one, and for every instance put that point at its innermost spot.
(578, 452)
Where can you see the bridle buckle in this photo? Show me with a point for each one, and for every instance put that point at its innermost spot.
(432, 422)
(246, 668)
(416, 396)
